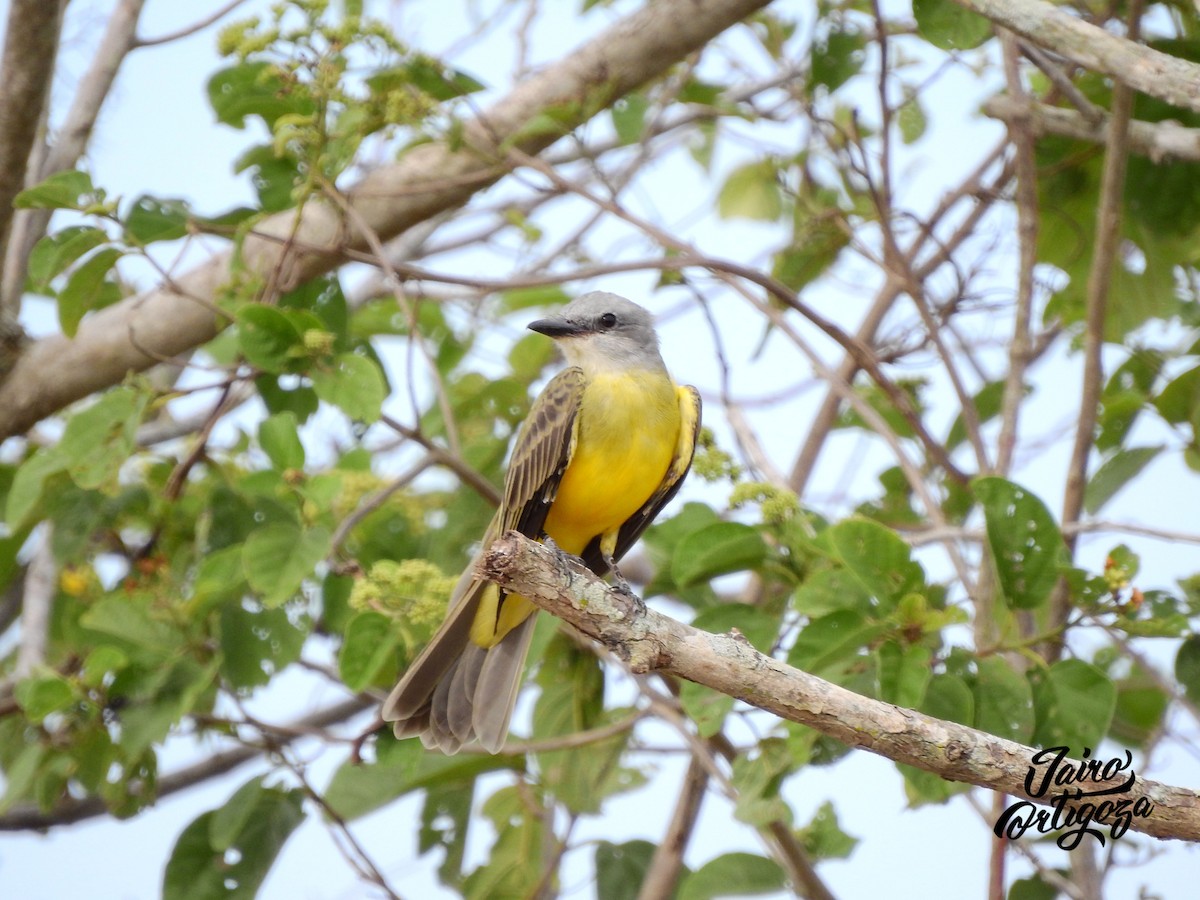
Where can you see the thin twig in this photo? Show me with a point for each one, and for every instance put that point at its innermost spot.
(189, 30)
(1105, 250)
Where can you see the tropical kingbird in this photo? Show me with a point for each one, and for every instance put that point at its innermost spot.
(604, 448)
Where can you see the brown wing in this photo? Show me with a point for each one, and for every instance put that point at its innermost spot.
(544, 448)
(681, 462)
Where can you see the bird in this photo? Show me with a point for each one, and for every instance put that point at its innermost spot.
(605, 446)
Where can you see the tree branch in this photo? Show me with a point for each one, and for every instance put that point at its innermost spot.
(727, 663)
(1152, 72)
(140, 331)
(26, 69)
(1159, 141)
(72, 138)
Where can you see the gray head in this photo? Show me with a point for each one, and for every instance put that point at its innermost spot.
(601, 331)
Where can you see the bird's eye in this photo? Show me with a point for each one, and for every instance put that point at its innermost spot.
(608, 320)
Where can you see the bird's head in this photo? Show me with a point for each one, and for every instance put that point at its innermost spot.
(601, 331)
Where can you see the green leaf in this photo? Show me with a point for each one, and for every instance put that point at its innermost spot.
(359, 788)
(427, 75)
(830, 645)
(987, 403)
(369, 644)
(754, 623)
(257, 644)
(280, 440)
(1141, 705)
(1187, 667)
(99, 439)
(950, 27)
(1033, 888)
(28, 484)
(1178, 401)
(277, 559)
(199, 871)
(256, 89)
(267, 337)
(705, 707)
(949, 697)
(719, 549)
(837, 58)
(1074, 702)
(757, 778)
(751, 192)
(830, 590)
(103, 661)
(912, 119)
(1003, 701)
(62, 190)
(817, 241)
(733, 874)
(41, 695)
(88, 288)
(167, 694)
(20, 774)
(150, 219)
(621, 868)
(1024, 540)
(877, 557)
(219, 577)
(231, 819)
(572, 700)
(275, 177)
(1116, 471)
(353, 383)
(823, 837)
(629, 118)
(904, 673)
(300, 400)
(446, 824)
(53, 254)
(132, 626)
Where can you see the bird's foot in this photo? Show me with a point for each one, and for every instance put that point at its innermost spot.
(562, 559)
(621, 584)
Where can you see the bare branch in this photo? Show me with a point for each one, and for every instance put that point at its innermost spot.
(41, 585)
(662, 876)
(189, 30)
(26, 69)
(728, 663)
(72, 138)
(1159, 141)
(1104, 256)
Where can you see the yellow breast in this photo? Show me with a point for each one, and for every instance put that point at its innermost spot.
(628, 431)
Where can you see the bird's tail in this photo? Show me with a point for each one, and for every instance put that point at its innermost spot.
(456, 692)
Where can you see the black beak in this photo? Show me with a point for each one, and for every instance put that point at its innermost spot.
(556, 327)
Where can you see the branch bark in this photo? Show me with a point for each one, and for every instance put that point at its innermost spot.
(71, 141)
(1158, 141)
(26, 69)
(141, 331)
(727, 663)
(1152, 72)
